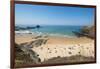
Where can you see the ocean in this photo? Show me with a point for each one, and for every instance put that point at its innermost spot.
(53, 30)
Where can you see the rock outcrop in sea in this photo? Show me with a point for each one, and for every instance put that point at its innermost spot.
(87, 31)
(18, 28)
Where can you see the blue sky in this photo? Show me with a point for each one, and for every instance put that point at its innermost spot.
(53, 15)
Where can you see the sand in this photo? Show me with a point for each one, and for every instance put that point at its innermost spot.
(53, 40)
(59, 46)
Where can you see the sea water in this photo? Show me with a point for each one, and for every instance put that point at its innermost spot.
(53, 30)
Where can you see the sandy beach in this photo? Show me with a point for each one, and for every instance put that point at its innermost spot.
(53, 40)
(58, 46)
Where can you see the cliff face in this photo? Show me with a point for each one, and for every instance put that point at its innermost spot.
(89, 31)
(25, 55)
(92, 31)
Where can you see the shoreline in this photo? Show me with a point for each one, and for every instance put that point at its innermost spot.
(47, 34)
(22, 38)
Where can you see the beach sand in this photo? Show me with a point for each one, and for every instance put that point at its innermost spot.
(59, 47)
(53, 40)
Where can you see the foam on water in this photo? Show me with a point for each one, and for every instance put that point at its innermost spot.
(61, 31)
